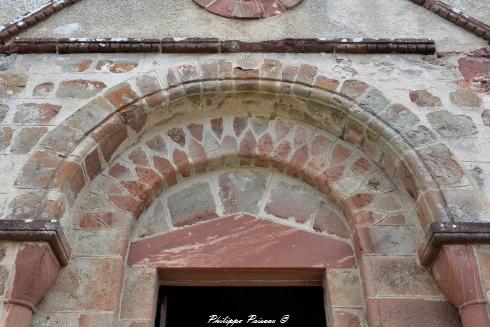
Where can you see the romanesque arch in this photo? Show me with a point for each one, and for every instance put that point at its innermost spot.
(386, 178)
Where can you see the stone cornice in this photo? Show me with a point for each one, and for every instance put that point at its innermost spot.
(211, 45)
(49, 231)
(450, 233)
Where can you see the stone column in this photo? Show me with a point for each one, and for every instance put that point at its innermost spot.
(35, 252)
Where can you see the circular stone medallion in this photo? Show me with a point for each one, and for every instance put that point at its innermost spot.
(247, 9)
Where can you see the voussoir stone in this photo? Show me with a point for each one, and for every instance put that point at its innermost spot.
(449, 125)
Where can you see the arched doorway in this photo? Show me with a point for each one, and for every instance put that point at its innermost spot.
(364, 156)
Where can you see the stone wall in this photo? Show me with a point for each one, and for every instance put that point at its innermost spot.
(374, 199)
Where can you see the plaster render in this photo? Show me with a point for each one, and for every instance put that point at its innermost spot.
(11, 9)
(476, 8)
(312, 18)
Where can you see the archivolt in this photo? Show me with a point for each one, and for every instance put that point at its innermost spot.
(354, 112)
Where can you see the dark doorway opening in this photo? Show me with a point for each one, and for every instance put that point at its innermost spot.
(295, 306)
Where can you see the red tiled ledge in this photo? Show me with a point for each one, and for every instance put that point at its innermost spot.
(211, 45)
(247, 9)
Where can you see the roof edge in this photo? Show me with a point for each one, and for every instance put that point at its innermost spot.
(456, 17)
(31, 19)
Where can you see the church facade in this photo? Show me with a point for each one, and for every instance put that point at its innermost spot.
(152, 144)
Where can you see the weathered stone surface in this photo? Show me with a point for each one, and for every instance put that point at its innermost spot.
(241, 241)
(419, 136)
(62, 139)
(466, 205)
(25, 205)
(107, 219)
(102, 242)
(241, 191)
(121, 95)
(75, 66)
(90, 115)
(329, 221)
(449, 125)
(445, 169)
(374, 101)
(217, 126)
(474, 68)
(398, 276)
(55, 320)
(79, 88)
(35, 113)
(4, 269)
(157, 144)
(354, 88)
(116, 67)
(465, 98)
(4, 109)
(5, 137)
(153, 221)
(346, 319)
(43, 89)
(177, 135)
(486, 117)
(95, 319)
(388, 240)
(292, 201)
(26, 138)
(399, 117)
(239, 125)
(191, 204)
(12, 84)
(326, 83)
(400, 313)
(344, 288)
(110, 136)
(424, 98)
(139, 294)
(271, 68)
(86, 284)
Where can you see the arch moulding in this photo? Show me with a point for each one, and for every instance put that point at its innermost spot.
(71, 156)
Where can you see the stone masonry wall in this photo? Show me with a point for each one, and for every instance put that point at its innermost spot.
(38, 92)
